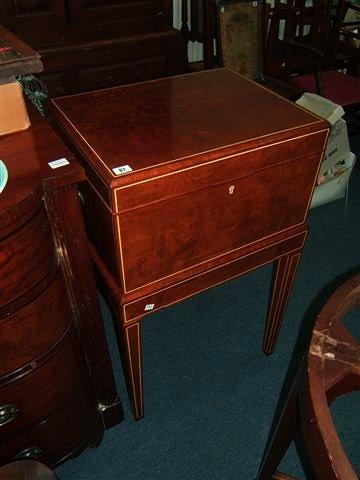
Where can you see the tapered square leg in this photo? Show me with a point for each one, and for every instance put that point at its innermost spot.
(284, 275)
(132, 360)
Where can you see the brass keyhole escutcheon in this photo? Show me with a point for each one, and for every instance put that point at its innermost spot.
(231, 189)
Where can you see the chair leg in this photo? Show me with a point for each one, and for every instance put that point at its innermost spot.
(284, 433)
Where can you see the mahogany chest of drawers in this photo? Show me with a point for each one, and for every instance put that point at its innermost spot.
(88, 44)
(57, 391)
(192, 181)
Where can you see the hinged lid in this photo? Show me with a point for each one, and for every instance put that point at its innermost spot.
(132, 132)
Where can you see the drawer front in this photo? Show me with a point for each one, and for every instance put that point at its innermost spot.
(56, 437)
(23, 334)
(26, 257)
(145, 57)
(215, 276)
(141, 69)
(132, 14)
(33, 18)
(36, 395)
(175, 234)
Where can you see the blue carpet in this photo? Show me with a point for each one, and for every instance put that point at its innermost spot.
(210, 394)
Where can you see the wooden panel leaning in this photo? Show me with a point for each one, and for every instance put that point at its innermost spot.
(192, 181)
(331, 368)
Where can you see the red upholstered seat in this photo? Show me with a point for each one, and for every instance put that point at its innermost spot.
(338, 87)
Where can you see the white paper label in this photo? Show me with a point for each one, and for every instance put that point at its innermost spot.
(121, 170)
(58, 163)
(149, 306)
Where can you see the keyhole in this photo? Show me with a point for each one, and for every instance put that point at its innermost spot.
(231, 189)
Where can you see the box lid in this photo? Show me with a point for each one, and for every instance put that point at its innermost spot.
(126, 131)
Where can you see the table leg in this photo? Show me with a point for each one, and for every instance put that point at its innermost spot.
(284, 275)
(132, 359)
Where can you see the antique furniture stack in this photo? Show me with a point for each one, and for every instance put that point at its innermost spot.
(191, 181)
(89, 44)
(57, 389)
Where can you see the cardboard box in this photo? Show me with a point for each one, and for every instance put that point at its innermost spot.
(13, 113)
(335, 188)
(337, 148)
(338, 161)
(321, 106)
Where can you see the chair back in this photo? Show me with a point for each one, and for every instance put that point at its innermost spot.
(295, 22)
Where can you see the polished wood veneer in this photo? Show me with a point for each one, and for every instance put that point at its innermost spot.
(218, 174)
(57, 391)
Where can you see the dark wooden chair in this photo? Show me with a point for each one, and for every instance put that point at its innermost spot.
(297, 36)
(301, 47)
(331, 368)
(315, 45)
(344, 42)
(294, 24)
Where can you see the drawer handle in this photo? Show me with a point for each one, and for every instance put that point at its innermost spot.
(29, 453)
(82, 201)
(81, 197)
(8, 413)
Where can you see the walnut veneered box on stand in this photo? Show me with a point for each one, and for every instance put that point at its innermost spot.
(192, 180)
